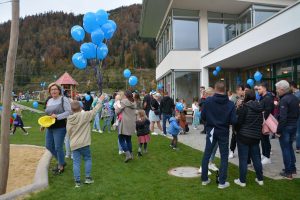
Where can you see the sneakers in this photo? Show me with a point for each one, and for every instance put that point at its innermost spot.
(298, 151)
(154, 133)
(94, 130)
(265, 161)
(294, 172)
(238, 182)
(212, 167)
(231, 155)
(121, 152)
(25, 133)
(100, 131)
(140, 154)
(206, 182)
(223, 186)
(261, 183)
(77, 184)
(286, 176)
(88, 180)
(200, 171)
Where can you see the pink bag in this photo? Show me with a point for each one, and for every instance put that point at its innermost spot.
(269, 125)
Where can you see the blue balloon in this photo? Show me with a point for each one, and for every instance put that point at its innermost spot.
(14, 115)
(215, 73)
(113, 24)
(218, 68)
(160, 86)
(108, 30)
(133, 80)
(179, 106)
(101, 17)
(97, 36)
(77, 33)
(79, 61)
(102, 51)
(127, 73)
(250, 82)
(35, 104)
(81, 104)
(88, 50)
(257, 76)
(90, 22)
(87, 97)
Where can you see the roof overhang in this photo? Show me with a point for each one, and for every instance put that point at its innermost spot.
(275, 39)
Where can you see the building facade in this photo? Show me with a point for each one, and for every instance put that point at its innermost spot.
(241, 36)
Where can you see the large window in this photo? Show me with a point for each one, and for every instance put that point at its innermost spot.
(245, 21)
(185, 33)
(221, 28)
(262, 13)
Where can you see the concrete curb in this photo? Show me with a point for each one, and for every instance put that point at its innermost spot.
(40, 179)
(28, 108)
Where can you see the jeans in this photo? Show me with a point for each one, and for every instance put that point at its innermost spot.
(125, 142)
(107, 123)
(165, 118)
(96, 124)
(54, 143)
(254, 151)
(266, 145)
(223, 141)
(233, 140)
(86, 154)
(213, 154)
(286, 143)
(298, 135)
(67, 146)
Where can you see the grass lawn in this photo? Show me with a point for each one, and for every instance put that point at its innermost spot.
(29, 104)
(146, 177)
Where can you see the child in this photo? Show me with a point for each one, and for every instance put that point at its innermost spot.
(96, 125)
(174, 129)
(142, 130)
(79, 131)
(18, 122)
(196, 114)
(106, 114)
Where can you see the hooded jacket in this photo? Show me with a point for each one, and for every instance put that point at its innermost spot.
(79, 128)
(167, 105)
(128, 122)
(267, 102)
(174, 127)
(249, 125)
(218, 112)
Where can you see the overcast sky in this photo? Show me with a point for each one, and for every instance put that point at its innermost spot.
(30, 7)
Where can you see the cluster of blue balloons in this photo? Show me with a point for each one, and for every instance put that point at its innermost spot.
(35, 104)
(257, 77)
(132, 80)
(43, 84)
(101, 28)
(179, 106)
(160, 86)
(217, 70)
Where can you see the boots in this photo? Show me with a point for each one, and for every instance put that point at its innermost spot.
(128, 156)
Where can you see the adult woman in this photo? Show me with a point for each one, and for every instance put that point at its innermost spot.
(127, 124)
(59, 108)
(249, 128)
(137, 100)
(154, 114)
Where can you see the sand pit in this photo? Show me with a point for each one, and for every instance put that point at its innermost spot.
(23, 163)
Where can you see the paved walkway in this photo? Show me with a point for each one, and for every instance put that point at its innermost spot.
(27, 108)
(197, 141)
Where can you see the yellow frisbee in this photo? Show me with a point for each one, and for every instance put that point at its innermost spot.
(46, 121)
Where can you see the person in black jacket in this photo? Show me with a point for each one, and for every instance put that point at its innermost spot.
(87, 103)
(267, 102)
(147, 103)
(249, 128)
(287, 126)
(142, 131)
(219, 113)
(167, 107)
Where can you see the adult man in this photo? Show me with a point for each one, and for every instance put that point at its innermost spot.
(286, 130)
(240, 92)
(87, 103)
(267, 102)
(296, 92)
(167, 107)
(219, 113)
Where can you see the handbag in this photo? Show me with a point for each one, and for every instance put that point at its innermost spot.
(269, 125)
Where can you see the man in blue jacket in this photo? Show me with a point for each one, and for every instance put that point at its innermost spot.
(218, 112)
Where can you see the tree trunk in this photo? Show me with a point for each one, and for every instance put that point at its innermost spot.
(8, 87)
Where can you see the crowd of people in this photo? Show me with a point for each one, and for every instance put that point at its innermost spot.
(244, 112)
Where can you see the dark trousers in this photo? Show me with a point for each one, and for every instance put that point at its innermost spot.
(223, 141)
(233, 140)
(125, 142)
(266, 145)
(254, 152)
(165, 118)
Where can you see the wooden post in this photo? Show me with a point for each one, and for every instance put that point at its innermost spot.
(8, 87)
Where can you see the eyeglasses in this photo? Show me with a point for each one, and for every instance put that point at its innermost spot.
(54, 89)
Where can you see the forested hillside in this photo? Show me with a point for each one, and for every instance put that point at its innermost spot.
(46, 48)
